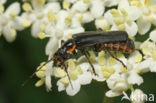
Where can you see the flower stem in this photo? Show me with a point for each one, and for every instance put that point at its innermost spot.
(105, 98)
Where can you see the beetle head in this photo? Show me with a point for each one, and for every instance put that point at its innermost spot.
(65, 51)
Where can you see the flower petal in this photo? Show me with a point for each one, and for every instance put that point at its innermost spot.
(72, 31)
(134, 78)
(131, 29)
(102, 23)
(35, 29)
(111, 93)
(48, 82)
(85, 78)
(54, 6)
(9, 33)
(117, 82)
(100, 76)
(19, 23)
(109, 17)
(134, 13)
(48, 74)
(110, 3)
(76, 88)
(3, 1)
(152, 66)
(123, 4)
(144, 65)
(80, 6)
(87, 17)
(97, 11)
(51, 46)
(38, 4)
(14, 9)
(153, 35)
(143, 26)
(61, 87)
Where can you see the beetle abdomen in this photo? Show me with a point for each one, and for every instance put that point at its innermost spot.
(126, 46)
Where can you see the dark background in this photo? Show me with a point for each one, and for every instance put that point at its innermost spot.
(19, 59)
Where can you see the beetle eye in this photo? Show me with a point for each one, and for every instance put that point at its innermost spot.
(70, 45)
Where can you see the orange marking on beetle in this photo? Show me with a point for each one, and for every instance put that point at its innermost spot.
(62, 61)
(111, 46)
(129, 50)
(125, 47)
(106, 44)
(103, 46)
(71, 49)
(55, 58)
(117, 46)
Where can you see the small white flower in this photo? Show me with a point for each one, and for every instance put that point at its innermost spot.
(148, 9)
(54, 6)
(10, 22)
(80, 6)
(143, 25)
(12, 10)
(133, 61)
(52, 46)
(135, 58)
(134, 78)
(76, 88)
(123, 19)
(133, 12)
(48, 74)
(109, 3)
(153, 35)
(106, 66)
(45, 74)
(71, 31)
(84, 17)
(149, 50)
(3, 1)
(78, 74)
(42, 16)
(117, 83)
(102, 23)
(39, 26)
(97, 11)
(38, 4)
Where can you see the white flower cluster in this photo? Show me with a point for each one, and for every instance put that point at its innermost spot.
(10, 21)
(60, 20)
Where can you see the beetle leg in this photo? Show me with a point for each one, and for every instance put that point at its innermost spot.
(85, 53)
(66, 70)
(74, 52)
(117, 59)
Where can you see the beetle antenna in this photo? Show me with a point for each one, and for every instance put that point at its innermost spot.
(31, 76)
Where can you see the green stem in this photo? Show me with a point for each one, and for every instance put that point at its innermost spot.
(105, 98)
